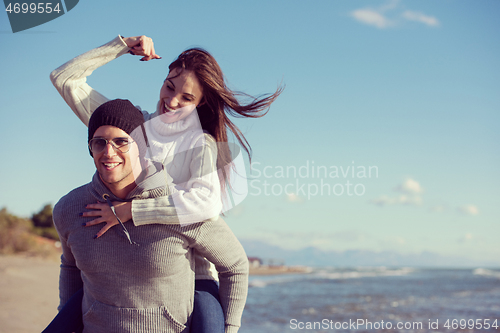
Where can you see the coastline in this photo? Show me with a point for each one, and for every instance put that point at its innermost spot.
(278, 270)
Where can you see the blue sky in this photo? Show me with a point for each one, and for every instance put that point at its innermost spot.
(409, 88)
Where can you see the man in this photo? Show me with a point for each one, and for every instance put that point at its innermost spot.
(139, 278)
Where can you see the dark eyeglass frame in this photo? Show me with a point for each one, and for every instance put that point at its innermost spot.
(123, 148)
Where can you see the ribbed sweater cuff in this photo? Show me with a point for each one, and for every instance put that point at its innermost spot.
(118, 45)
(231, 329)
(146, 212)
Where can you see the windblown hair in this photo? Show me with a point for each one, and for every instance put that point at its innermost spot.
(219, 102)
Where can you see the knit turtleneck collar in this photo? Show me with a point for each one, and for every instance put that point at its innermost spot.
(191, 122)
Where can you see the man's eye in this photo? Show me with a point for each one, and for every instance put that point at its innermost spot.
(120, 142)
(99, 143)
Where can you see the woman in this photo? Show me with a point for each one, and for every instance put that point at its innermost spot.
(194, 96)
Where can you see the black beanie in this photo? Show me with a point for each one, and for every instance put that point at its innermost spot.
(120, 113)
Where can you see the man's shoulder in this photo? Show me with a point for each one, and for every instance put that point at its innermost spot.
(74, 197)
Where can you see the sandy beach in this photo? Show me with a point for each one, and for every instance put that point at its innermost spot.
(28, 293)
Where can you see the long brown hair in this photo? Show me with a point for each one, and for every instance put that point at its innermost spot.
(219, 101)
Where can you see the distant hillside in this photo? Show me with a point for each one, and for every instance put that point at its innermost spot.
(312, 256)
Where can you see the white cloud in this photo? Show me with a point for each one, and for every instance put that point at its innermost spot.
(384, 200)
(409, 186)
(466, 238)
(292, 197)
(387, 16)
(468, 210)
(371, 17)
(420, 17)
(410, 190)
(410, 200)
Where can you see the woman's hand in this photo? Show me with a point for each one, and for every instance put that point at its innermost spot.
(141, 46)
(104, 214)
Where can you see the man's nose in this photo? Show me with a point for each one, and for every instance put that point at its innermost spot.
(109, 150)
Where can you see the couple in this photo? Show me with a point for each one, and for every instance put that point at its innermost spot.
(161, 172)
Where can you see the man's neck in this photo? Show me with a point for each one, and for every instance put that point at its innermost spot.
(119, 190)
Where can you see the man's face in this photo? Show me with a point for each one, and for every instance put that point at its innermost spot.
(116, 169)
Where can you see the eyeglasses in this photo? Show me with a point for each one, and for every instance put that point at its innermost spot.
(97, 145)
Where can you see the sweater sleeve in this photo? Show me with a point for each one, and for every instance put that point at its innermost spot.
(218, 244)
(198, 199)
(70, 78)
(70, 280)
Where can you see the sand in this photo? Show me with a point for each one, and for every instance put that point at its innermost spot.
(29, 293)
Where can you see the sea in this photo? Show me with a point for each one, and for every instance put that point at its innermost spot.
(375, 299)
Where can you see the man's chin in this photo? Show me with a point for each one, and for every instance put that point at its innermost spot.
(109, 179)
(117, 180)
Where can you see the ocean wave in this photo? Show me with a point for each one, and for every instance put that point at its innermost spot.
(330, 274)
(363, 272)
(262, 282)
(486, 272)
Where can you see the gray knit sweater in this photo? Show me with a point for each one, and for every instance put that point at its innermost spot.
(147, 287)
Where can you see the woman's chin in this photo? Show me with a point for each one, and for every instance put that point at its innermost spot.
(169, 117)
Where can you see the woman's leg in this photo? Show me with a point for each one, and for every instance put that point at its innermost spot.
(207, 312)
(69, 319)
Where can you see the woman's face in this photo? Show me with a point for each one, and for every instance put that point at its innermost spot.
(180, 94)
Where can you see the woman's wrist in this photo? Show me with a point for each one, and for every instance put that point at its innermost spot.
(127, 40)
(123, 210)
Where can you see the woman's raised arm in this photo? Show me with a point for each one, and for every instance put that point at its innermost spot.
(70, 79)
